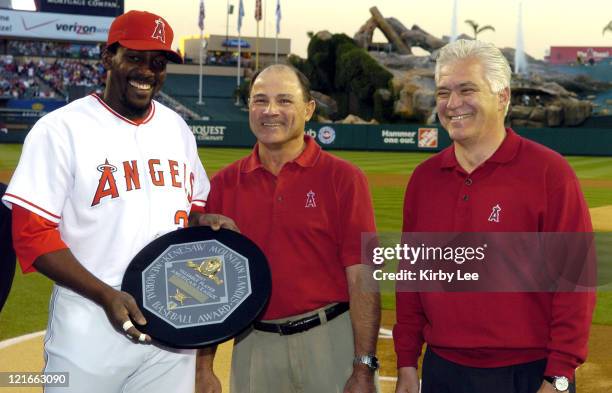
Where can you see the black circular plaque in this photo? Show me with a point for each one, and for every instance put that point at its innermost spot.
(198, 287)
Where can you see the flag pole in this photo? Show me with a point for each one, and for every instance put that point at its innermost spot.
(278, 19)
(258, 19)
(277, 13)
(227, 11)
(238, 74)
(264, 17)
(239, 26)
(201, 26)
(200, 102)
(257, 49)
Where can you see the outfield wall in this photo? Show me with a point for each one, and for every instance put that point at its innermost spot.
(384, 137)
(404, 137)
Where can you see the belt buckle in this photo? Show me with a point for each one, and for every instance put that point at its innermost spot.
(292, 327)
(286, 328)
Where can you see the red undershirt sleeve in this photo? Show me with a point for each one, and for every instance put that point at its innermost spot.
(198, 209)
(33, 236)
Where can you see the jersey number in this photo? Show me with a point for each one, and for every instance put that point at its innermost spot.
(181, 218)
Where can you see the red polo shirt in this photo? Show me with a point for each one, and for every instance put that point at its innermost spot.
(533, 189)
(308, 221)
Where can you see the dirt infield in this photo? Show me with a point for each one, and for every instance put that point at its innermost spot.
(602, 218)
(5, 176)
(28, 356)
(595, 376)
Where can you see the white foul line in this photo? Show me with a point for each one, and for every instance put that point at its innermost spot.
(20, 339)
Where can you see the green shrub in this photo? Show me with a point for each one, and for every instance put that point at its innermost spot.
(339, 68)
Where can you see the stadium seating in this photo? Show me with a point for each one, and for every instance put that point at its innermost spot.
(218, 96)
(53, 49)
(18, 80)
(34, 69)
(63, 73)
(220, 109)
(187, 85)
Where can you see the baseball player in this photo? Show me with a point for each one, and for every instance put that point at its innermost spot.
(97, 181)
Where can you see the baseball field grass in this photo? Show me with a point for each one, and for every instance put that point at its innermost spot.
(387, 172)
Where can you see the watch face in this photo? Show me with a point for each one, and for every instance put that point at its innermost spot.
(561, 384)
(368, 360)
(374, 363)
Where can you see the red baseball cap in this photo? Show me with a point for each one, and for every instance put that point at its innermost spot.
(141, 30)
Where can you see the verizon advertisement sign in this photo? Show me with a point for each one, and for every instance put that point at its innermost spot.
(42, 25)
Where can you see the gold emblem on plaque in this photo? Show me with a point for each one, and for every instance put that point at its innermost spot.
(208, 268)
(180, 296)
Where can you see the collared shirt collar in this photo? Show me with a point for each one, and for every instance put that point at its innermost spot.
(504, 153)
(307, 158)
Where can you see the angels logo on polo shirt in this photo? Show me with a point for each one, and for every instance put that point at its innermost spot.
(494, 217)
(310, 199)
(160, 31)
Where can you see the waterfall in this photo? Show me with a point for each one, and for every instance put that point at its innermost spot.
(520, 62)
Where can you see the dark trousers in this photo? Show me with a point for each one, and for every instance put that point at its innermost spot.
(443, 376)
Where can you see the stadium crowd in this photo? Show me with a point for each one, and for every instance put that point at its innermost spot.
(64, 72)
(24, 79)
(54, 49)
(17, 80)
(44, 69)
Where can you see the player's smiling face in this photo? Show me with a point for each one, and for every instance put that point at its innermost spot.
(466, 106)
(277, 110)
(134, 77)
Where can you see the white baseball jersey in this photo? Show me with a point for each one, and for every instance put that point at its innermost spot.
(112, 185)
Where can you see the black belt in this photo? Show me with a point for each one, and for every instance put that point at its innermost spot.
(301, 325)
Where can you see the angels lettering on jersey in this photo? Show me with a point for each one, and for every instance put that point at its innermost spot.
(169, 173)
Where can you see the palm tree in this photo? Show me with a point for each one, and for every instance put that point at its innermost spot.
(477, 29)
(607, 28)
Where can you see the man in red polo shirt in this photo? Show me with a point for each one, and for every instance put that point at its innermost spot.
(306, 209)
(490, 180)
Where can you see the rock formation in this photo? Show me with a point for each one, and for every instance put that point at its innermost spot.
(543, 99)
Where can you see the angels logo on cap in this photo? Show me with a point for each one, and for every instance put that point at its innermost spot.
(159, 32)
(141, 30)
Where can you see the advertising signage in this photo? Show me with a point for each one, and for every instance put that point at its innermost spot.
(41, 25)
(111, 8)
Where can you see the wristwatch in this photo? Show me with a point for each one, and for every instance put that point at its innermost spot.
(369, 360)
(559, 383)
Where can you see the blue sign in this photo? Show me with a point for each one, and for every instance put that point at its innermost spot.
(234, 43)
